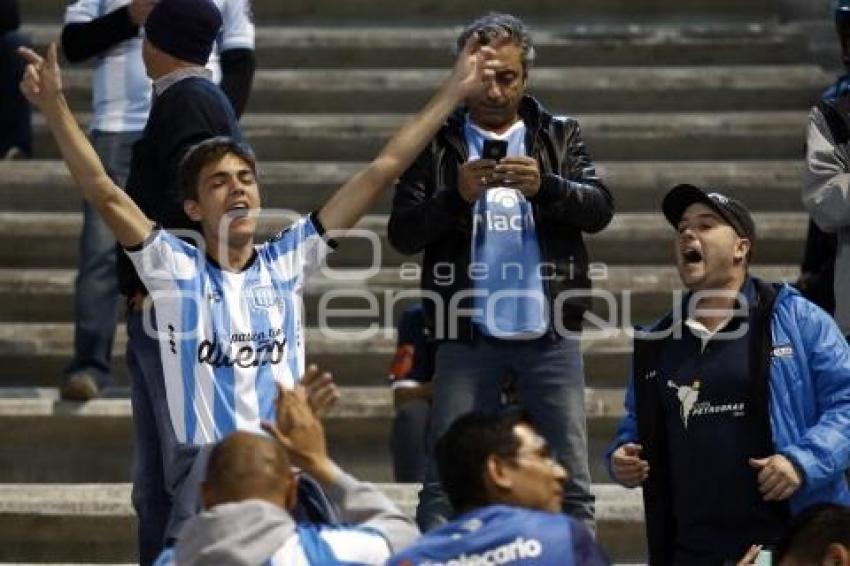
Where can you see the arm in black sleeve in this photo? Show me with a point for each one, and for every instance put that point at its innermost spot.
(423, 213)
(237, 76)
(192, 117)
(81, 41)
(575, 193)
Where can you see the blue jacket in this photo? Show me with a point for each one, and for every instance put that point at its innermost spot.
(808, 403)
(502, 534)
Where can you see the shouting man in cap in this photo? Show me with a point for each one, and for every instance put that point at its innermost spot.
(738, 408)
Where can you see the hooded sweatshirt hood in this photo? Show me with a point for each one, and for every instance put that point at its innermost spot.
(244, 533)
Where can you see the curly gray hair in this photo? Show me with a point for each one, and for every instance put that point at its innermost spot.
(500, 26)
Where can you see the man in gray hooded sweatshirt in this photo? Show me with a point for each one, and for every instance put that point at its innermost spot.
(250, 490)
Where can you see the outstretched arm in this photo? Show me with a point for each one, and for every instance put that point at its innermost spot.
(358, 194)
(42, 85)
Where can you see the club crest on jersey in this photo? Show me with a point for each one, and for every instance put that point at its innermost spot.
(783, 351)
(263, 297)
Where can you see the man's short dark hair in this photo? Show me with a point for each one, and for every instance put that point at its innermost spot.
(202, 154)
(811, 532)
(461, 454)
(495, 26)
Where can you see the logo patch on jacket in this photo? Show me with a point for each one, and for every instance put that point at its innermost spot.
(783, 351)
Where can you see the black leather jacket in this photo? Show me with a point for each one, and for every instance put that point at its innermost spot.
(429, 214)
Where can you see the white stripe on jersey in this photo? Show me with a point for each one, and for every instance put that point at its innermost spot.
(121, 93)
(245, 334)
(348, 545)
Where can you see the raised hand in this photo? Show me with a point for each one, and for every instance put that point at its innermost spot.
(42, 80)
(139, 10)
(301, 433)
(475, 65)
(322, 392)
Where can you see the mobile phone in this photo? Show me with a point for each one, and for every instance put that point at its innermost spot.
(494, 149)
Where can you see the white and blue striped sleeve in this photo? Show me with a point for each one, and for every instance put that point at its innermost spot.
(163, 259)
(299, 250)
(83, 11)
(237, 26)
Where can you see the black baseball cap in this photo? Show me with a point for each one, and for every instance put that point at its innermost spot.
(731, 210)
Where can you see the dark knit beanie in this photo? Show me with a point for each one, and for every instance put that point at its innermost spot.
(185, 29)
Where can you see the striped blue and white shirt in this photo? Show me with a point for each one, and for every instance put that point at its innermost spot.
(121, 90)
(320, 545)
(226, 339)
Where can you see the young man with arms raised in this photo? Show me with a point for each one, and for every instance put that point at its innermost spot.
(227, 324)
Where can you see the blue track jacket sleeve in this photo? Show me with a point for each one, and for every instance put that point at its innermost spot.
(627, 430)
(823, 451)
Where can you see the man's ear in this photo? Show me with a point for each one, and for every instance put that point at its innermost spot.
(192, 209)
(497, 473)
(742, 248)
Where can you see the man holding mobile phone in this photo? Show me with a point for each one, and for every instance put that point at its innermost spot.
(498, 202)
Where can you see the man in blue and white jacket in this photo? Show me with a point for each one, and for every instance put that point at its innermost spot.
(738, 409)
(250, 494)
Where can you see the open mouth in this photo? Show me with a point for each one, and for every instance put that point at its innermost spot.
(238, 210)
(691, 255)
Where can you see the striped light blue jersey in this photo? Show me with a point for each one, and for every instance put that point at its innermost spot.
(254, 532)
(121, 90)
(226, 339)
(315, 545)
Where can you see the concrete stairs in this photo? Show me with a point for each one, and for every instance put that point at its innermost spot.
(713, 92)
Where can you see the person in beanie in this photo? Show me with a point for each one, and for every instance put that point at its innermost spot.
(738, 407)
(109, 32)
(187, 108)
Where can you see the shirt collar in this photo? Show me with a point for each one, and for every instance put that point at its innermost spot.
(487, 134)
(164, 82)
(747, 290)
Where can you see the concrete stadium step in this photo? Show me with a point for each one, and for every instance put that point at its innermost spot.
(764, 185)
(46, 295)
(49, 239)
(580, 45)
(357, 12)
(609, 137)
(33, 354)
(95, 522)
(563, 89)
(81, 442)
